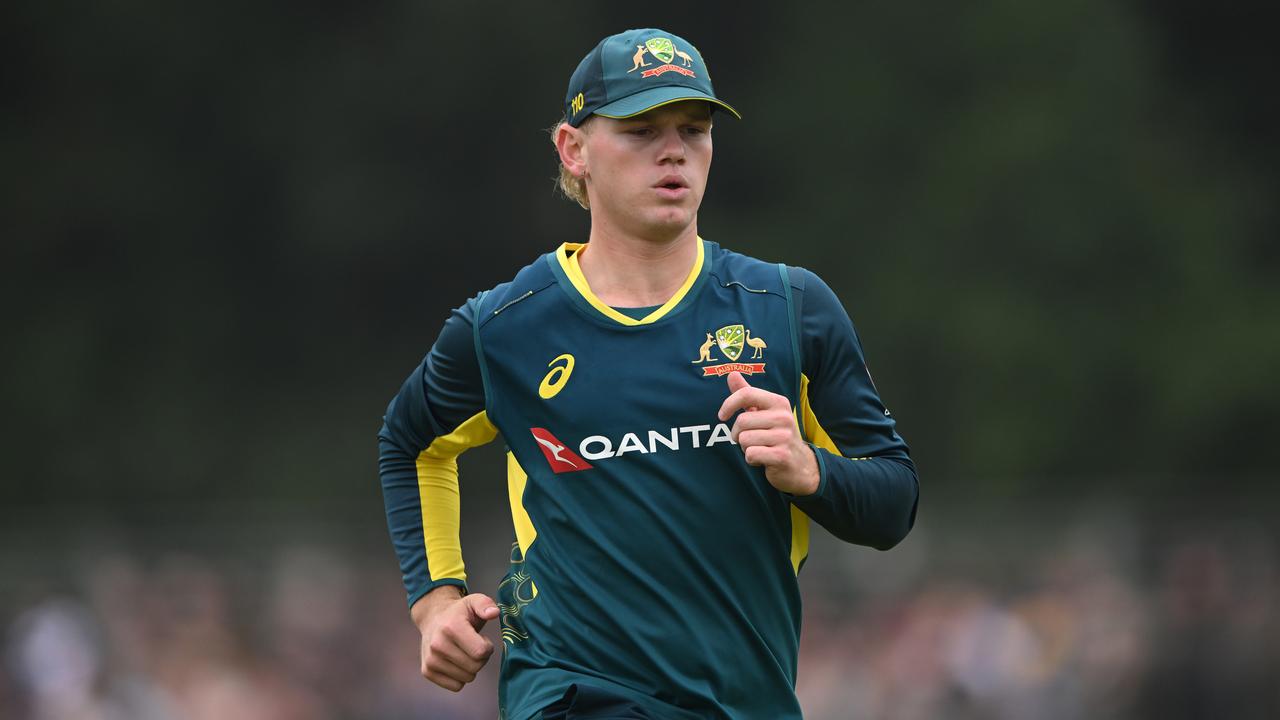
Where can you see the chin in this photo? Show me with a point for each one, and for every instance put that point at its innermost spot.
(681, 214)
(659, 220)
(669, 220)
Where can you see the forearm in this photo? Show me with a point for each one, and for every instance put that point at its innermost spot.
(869, 501)
(424, 430)
(402, 500)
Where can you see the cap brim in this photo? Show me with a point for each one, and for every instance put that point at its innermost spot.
(647, 100)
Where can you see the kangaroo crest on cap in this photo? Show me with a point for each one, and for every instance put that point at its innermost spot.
(665, 51)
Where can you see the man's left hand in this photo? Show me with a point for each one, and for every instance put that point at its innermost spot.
(769, 437)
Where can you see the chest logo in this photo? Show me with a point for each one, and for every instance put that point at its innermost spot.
(558, 455)
(556, 377)
(731, 340)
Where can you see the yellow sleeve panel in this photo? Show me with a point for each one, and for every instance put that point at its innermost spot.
(438, 495)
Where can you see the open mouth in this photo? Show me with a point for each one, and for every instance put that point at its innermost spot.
(672, 182)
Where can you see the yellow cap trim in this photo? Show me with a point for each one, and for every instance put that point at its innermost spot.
(567, 254)
(721, 103)
(437, 467)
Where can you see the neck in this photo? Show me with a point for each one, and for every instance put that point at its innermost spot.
(628, 271)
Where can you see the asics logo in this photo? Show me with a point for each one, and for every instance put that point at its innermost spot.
(556, 377)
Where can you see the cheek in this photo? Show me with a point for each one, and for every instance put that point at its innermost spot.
(704, 171)
(612, 165)
(701, 155)
(604, 170)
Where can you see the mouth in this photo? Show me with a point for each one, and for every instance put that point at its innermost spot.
(672, 182)
(672, 187)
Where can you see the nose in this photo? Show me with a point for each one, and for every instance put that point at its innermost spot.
(672, 146)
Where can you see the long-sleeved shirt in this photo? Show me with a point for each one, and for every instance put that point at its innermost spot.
(650, 560)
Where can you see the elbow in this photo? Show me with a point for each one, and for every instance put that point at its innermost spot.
(905, 519)
(890, 540)
(879, 515)
(883, 546)
(883, 538)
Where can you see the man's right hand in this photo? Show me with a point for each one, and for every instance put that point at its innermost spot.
(453, 650)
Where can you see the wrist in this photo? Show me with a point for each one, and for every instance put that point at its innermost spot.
(810, 472)
(427, 605)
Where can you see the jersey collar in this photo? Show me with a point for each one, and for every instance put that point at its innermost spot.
(564, 262)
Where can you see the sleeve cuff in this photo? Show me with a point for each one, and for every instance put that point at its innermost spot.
(416, 595)
(822, 477)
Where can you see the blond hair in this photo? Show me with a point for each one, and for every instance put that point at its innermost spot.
(573, 187)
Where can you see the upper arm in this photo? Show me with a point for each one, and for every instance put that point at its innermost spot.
(840, 392)
(444, 391)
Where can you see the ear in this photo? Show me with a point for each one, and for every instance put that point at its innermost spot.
(571, 143)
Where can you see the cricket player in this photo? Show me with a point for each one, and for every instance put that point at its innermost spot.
(675, 416)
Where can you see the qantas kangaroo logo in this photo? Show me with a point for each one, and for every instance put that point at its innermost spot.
(555, 451)
(561, 458)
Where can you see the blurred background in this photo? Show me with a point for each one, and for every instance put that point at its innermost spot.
(230, 230)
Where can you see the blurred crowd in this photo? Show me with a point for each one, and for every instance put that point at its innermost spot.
(1187, 631)
(1179, 629)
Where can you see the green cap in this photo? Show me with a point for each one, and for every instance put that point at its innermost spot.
(635, 71)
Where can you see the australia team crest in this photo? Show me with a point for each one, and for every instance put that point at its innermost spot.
(665, 52)
(729, 338)
(731, 341)
(661, 48)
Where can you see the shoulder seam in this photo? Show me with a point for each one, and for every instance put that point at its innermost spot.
(528, 294)
(793, 322)
(759, 291)
(796, 280)
(795, 275)
(475, 338)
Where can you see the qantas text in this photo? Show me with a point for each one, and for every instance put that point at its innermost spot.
(599, 447)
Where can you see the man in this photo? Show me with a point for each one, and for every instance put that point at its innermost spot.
(675, 415)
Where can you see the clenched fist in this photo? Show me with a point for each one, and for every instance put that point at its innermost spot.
(453, 650)
(769, 437)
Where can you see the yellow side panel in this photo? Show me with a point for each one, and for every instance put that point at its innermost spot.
(799, 538)
(438, 495)
(516, 479)
(814, 433)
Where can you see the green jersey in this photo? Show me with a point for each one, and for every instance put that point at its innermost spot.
(650, 560)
